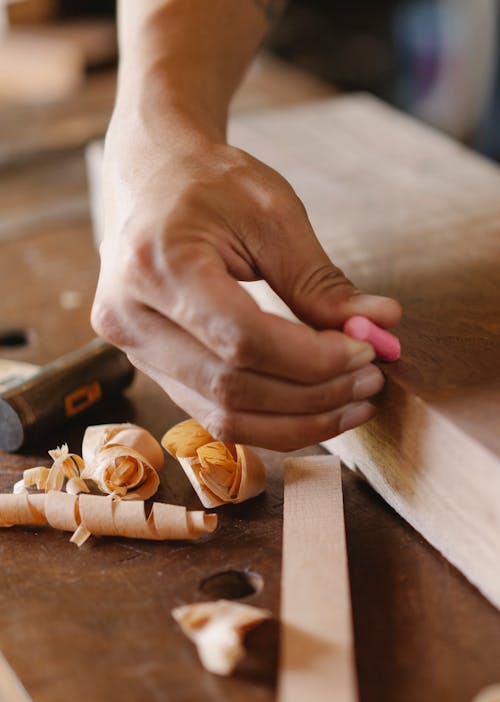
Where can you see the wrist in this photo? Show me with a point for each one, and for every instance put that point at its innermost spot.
(186, 59)
(162, 98)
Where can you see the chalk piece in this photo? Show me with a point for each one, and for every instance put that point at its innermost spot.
(386, 345)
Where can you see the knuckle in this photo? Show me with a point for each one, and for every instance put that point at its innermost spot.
(226, 387)
(136, 259)
(279, 203)
(322, 278)
(179, 258)
(107, 324)
(221, 424)
(239, 349)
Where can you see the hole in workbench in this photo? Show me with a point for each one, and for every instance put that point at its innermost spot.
(14, 337)
(232, 584)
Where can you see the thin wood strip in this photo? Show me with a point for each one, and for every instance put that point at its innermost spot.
(317, 649)
(11, 688)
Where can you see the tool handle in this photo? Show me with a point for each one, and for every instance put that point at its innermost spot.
(62, 389)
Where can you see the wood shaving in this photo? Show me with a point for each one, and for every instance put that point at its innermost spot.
(131, 435)
(97, 514)
(217, 629)
(185, 438)
(19, 487)
(36, 477)
(66, 465)
(123, 460)
(76, 485)
(220, 473)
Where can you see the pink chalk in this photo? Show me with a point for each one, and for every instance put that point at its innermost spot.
(386, 345)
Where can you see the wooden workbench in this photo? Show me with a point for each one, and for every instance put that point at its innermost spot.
(94, 624)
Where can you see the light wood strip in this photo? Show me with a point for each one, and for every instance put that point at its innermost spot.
(317, 661)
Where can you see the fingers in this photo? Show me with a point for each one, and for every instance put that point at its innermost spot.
(174, 353)
(210, 306)
(276, 432)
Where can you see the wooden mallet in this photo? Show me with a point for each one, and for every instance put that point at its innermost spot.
(60, 390)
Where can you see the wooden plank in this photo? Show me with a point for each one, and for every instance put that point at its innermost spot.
(28, 131)
(409, 213)
(317, 648)
(95, 39)
(38, 68)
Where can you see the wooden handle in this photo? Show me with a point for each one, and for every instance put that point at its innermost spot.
(62, 389)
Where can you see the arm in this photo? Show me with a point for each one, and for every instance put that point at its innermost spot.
(187, 216)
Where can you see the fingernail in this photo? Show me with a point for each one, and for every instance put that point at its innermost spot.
(368, 300)
(361, 353)
(354, 415)
(367, 382)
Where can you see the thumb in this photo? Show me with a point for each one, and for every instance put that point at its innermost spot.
(318, 293)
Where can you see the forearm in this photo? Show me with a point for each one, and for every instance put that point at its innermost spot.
(188, 56)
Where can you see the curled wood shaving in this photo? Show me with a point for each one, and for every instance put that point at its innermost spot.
(217, 629)
(19, 487)
(96, 514)
(76, 485)
(219, 473)
(185, 438)
(66, 465)
(130, 435)
(123, 460)
(36, 477)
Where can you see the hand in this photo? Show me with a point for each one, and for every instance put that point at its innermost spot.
(187, 217)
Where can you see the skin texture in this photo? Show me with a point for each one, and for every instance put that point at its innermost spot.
(187, 216)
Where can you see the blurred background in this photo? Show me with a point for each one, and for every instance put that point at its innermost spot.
(435, 59)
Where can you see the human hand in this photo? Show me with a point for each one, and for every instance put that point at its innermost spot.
(187, 216)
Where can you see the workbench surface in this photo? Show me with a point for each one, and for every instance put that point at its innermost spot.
(94, 623)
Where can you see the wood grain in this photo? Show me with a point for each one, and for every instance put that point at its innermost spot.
(411, 214)
(317, 647)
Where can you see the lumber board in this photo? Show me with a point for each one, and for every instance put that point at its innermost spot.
(317, 646)
(95, 39)
(409, 213)
(30, 131)
(36, 68)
